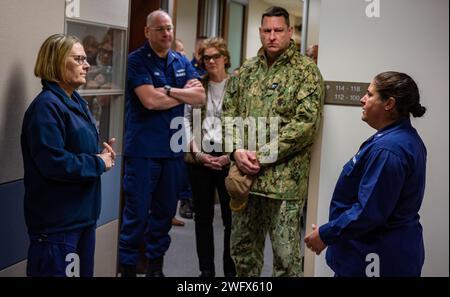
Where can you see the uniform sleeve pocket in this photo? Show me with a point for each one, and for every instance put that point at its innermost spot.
(349, 168)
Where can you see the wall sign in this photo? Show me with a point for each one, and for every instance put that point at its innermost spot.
(73, 8)
(345, 93)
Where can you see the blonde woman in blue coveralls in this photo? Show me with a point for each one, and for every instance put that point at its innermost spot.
(62, 164)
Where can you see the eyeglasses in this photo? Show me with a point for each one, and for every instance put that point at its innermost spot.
(215, 57)
(80, 59)
(162, 29)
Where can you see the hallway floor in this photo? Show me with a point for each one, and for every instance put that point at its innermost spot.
(181, 258)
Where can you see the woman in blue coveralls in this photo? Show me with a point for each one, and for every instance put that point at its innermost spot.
(62, 164)
(374, 227)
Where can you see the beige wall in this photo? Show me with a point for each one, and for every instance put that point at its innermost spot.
(105, 261)
(255, 10)
(313, 22)
(186, 29)
(17, 270)
(111, 12)
(24, 25)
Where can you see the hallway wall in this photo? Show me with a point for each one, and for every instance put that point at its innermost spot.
(409, 36)
(186, 24)
(18, 86)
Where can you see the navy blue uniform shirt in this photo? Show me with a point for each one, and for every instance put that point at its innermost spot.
(375, 205)
(148, 132)
(62, 172)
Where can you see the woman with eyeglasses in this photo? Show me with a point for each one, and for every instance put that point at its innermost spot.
(210, 163)
(62, 164)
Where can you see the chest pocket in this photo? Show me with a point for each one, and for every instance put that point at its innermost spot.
(159, 79)
(180, 74)
(180, 79)
(282, 99)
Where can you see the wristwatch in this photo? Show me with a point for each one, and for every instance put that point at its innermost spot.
(167, 88)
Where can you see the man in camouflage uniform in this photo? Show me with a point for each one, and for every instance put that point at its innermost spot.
(280, 83)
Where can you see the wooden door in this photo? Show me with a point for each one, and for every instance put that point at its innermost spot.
(138, 19)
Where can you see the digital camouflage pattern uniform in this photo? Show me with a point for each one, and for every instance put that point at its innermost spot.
(292, 89)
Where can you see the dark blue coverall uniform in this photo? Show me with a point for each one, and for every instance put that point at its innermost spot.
(375, 206)
(152, 179)
(62, 181)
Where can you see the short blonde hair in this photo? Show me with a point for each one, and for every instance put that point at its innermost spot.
(52, 56)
